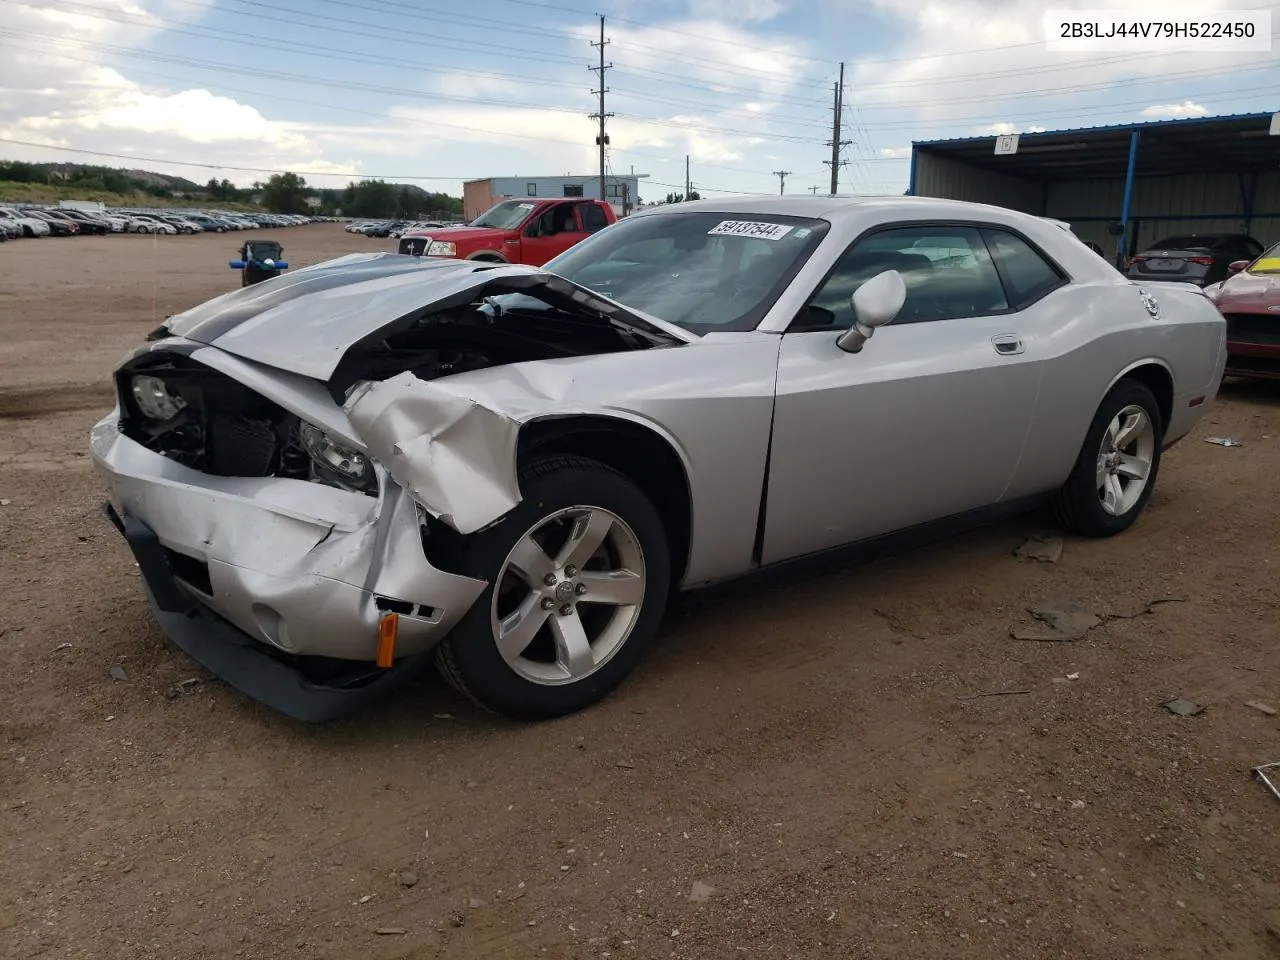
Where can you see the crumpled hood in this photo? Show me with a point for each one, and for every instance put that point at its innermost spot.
(306, 321)
(1250, 293)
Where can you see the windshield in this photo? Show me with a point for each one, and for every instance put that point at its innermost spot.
(705, 272)
(1269, 262)
(505, 216)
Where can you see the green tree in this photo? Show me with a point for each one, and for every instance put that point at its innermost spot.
(370, 198)
(285, 193)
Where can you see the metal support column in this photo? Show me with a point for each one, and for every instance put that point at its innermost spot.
(1123, 245)
(911, 181)
(1248, 197)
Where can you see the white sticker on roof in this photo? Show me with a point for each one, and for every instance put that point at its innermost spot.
(524, 206)
(749, 228)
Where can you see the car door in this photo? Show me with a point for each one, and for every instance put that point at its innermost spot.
(549, 233)
(927, 421)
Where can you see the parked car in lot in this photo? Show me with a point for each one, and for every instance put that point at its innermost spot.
(1193, 258)
(89, 224)
(333, 479)
(1250, 302)
(12, 229)
(28, 225)
(58, 226)
(149, 223)
(514, 231)
(181, 224)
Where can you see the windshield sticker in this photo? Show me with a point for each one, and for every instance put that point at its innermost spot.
(747, 228)
(524, 206)
(802, 233)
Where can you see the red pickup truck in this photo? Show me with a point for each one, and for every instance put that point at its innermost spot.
(514, 231)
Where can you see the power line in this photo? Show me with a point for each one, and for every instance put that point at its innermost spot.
(222, 166)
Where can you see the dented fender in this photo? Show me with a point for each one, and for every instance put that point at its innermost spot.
(455, 456)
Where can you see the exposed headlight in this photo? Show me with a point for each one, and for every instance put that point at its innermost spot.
(154, 399)
(441, 248)
(331, 458)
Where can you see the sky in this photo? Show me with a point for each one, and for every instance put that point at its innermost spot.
(421, 91)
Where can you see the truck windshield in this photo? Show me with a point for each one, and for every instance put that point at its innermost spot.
(505, 216)
(706, 272)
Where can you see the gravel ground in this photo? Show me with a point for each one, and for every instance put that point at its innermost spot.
(794, 772)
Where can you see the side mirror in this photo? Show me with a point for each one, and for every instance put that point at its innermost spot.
(875, 303)
(1237, 266)
(1115, 229)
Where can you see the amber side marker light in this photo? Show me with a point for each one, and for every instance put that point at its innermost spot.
(387, 631)
(1196, 401)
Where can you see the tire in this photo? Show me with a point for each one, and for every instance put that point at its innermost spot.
(1099, 498)
(532, 681)
(28, 232)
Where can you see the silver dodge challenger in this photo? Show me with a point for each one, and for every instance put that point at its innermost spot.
(343, 475)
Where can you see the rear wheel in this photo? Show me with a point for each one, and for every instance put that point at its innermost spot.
(579, 574)
(1116, 470)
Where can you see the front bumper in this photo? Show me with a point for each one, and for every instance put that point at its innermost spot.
(257, 578)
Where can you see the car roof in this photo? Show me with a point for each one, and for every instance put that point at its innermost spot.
(836, 209)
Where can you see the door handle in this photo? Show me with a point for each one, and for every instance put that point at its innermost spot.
(1008, 344)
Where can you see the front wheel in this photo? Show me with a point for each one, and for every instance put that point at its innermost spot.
(1116, 470)
(579, 574)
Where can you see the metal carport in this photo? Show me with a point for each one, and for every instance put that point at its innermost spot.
(1202, 175)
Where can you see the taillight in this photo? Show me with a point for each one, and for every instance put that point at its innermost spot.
(1138, 260)
(1203, 261)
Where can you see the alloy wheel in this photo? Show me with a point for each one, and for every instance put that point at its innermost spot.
(568, 595)
(1124, 459)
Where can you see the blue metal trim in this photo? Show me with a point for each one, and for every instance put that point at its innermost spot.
(1135, 136)
(911, 178)
(1165, 124)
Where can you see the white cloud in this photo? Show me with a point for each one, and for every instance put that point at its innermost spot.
(895, 153)
(741, 11)
(1167, 111)
(1003, 128)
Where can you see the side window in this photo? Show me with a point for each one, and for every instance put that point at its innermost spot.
(947, 270)
(1027, 275)
(573, 189)
(531, 189)
(593, 218)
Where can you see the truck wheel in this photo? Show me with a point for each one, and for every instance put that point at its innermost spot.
(579, 573)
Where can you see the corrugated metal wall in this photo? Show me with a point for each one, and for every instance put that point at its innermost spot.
(1186, 204)
(943, 177)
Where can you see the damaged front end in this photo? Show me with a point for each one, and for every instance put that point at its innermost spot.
(281, 519)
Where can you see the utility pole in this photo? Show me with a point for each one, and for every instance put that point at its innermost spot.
(836, 144)
(813, 190)
(782, 180)
(602, 141)
(688, 184)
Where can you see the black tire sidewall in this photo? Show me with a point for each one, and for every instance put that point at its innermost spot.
(1081, 496)
(471, 647)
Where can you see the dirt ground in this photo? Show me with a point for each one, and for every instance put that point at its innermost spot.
(793, 773)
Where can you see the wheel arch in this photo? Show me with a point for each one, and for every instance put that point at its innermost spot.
(1157, 377)
(640, 452)
(490, 255)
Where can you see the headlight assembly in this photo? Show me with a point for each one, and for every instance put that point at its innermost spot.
(154, 399)
(332, 461)
(441, 248)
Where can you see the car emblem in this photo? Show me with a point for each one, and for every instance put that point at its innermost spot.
(1150, 302)
(1274, 308)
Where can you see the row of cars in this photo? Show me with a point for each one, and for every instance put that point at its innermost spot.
(70, 221)
(395, 229)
